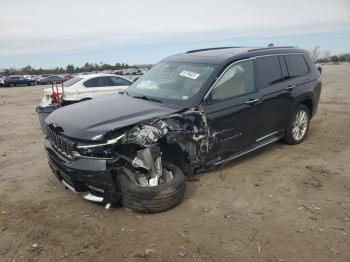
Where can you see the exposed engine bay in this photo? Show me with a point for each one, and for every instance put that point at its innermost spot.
(181, 138)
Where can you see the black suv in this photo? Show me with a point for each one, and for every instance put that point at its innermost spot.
(190, 112)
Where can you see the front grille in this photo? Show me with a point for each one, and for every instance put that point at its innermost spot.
(60, 143)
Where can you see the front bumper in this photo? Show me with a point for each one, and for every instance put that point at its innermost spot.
(92, 178)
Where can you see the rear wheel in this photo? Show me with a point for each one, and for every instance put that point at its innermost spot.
(298, 126)
(12, 85)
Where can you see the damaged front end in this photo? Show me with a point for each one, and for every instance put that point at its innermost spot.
(181, 138)
(138, 152)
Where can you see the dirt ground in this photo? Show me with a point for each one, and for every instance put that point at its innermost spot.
(284, 203)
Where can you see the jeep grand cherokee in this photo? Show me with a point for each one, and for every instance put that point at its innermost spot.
(190, 112)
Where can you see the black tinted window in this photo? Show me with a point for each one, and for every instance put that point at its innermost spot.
(72, 81)
(267, 71)
(296, 65)
(92, 82)
(117, 81)
(98, 82)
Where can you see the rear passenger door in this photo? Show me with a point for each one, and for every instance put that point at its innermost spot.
(299, 80)
(270, 79)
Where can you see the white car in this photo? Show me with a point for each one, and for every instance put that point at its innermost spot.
(86, 87)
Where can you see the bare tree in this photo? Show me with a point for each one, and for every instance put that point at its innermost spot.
(315, 53)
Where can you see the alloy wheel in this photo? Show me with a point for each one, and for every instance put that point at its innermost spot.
(300, 125)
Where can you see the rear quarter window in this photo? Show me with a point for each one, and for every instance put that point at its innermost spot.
(296, 65)
(72, 81)
(117, 81)
(267, 71)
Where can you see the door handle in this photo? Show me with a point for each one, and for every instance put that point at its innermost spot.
(290, 88)
(252, 101)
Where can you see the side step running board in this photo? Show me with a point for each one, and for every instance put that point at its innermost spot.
(246, 151)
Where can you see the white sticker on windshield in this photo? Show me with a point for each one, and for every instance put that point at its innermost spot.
(189, 74)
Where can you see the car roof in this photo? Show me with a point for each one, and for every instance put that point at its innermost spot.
(97, 75)
(219, 55)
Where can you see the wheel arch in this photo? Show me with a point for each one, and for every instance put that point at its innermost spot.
(174, 153)
(308, 102)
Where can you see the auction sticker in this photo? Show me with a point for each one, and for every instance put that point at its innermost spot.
(189, 74)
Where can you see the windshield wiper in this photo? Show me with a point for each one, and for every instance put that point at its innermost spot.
(148, 99)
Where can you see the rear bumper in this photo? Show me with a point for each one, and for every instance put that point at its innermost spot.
(92, 178)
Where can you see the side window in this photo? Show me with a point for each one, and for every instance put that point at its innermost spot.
(98, 82)
(93, 82)
(296, 65)
(105, 81)
(237, 80)
(117, 81)
(267, 71)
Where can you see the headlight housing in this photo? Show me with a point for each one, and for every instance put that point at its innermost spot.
(98, 150)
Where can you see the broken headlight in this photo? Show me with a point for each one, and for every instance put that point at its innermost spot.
(99, 150)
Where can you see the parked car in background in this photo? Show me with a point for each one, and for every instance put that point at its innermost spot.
(52, 79)
(38, 79)
(67, 77)
(17, 80)
(86, 87)
(130, 71)
(30, 77)
(2, 82)
(191, 112)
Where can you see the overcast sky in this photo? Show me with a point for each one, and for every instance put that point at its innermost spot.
(51, 33)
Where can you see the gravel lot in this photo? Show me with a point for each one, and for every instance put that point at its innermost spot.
(284, 203)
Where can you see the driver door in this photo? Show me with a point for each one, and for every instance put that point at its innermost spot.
(232, 110)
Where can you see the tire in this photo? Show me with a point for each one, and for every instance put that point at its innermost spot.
(297, 127)
(12, 85)
(153, 199)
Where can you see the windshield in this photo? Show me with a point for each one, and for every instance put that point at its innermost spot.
(72, 81)
(171, 81)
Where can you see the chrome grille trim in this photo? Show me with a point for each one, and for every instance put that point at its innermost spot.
(60, 143)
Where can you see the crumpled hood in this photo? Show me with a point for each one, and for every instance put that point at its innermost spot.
(88, 120)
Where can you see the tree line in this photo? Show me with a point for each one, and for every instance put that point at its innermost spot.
(325, 56)
(316, 55)
(69, 69)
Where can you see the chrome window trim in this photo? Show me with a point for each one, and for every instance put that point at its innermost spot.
(238, 61)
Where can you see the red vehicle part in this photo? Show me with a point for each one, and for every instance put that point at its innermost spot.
(57, 92)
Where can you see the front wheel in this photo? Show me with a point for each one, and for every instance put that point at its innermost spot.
(298, 126)
(153, 199)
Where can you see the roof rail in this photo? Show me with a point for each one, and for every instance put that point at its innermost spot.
(211, 48)
(270, 47)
